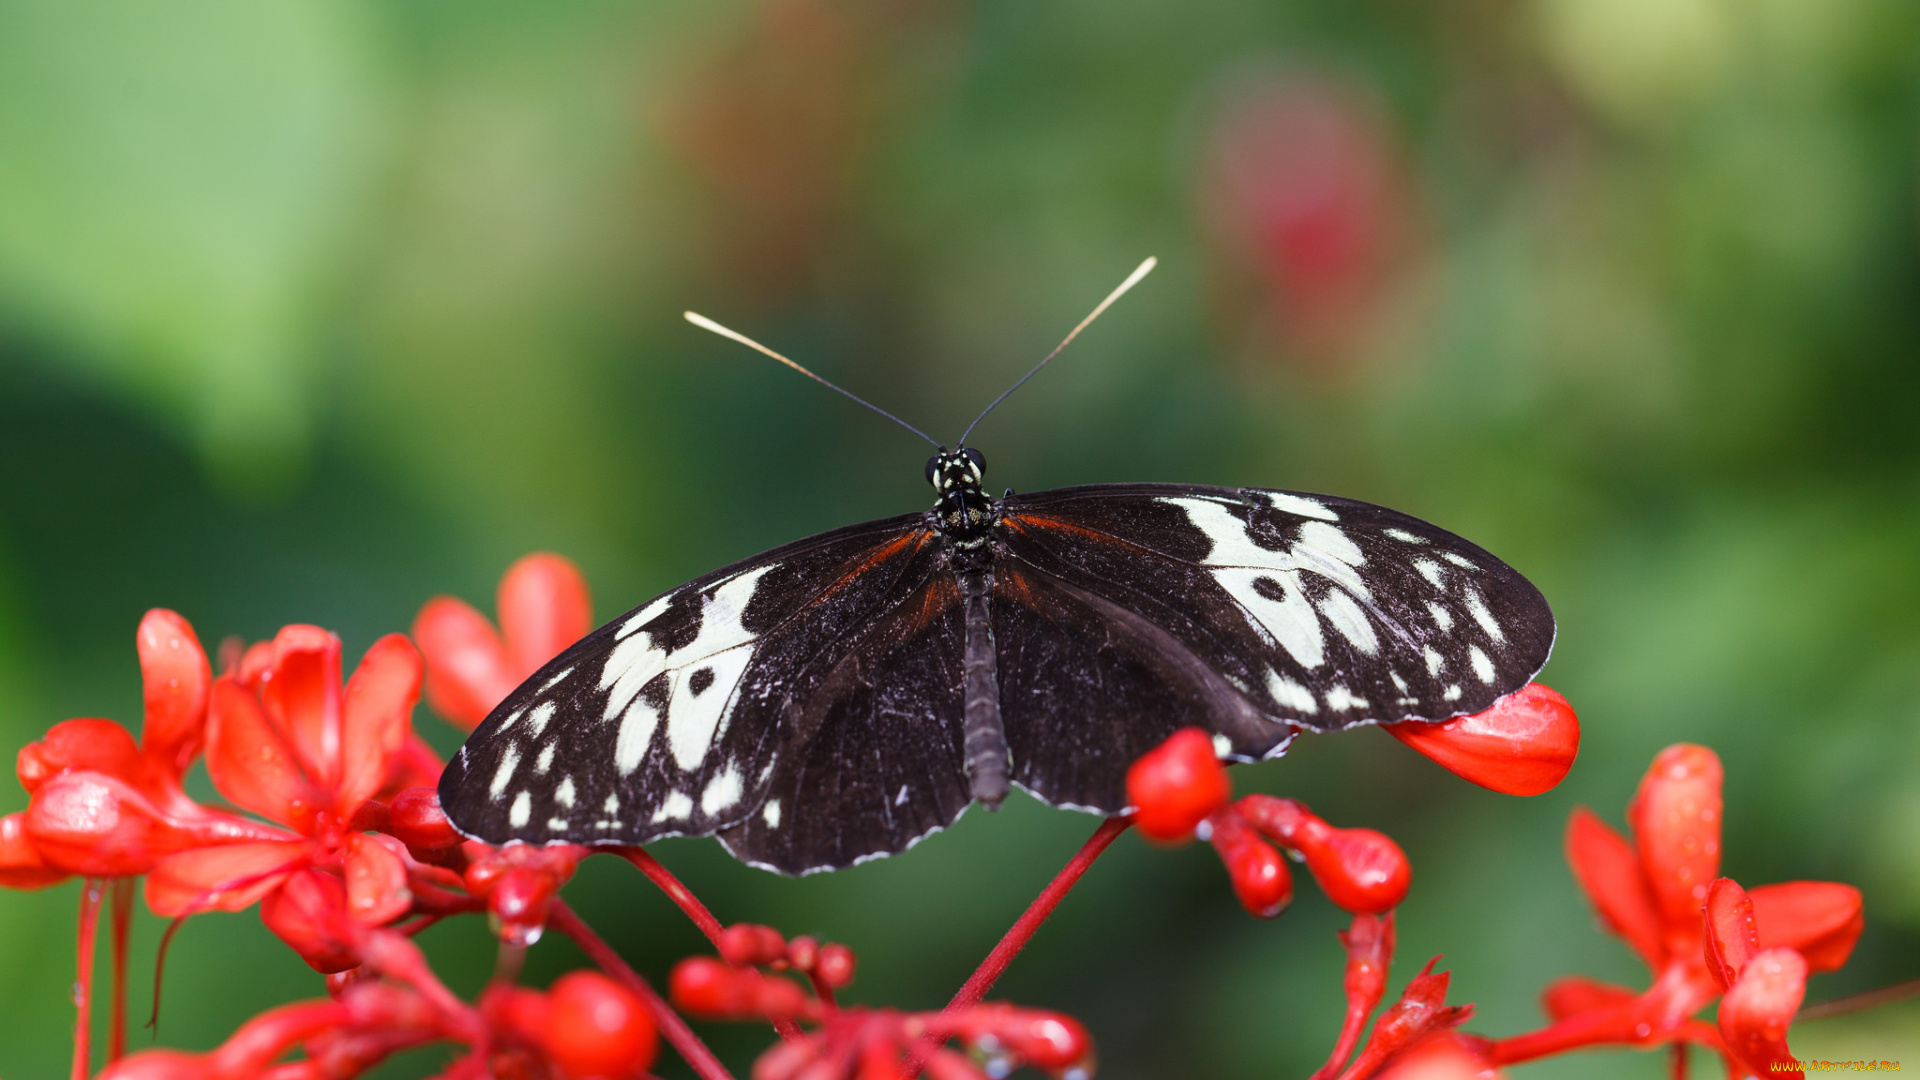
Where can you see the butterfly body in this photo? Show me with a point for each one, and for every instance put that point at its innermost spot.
(842, 697)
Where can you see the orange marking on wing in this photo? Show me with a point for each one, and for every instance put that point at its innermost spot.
(1021, 522)
(879, 555)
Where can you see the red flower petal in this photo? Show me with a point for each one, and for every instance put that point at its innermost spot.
(1441, 1055)
(227, 878)
(1523, 745)
(544, 607)
(1177, 784)
(96, 745)
(1821, 920)
(377, 718)
(21, 866)
(249, 762)
(376, 879)
(300, 695)
(467, 669)
(1608, 870)
(1732, 937)
(1755, 1014)
(175, 678)
(417, 820)
(1676, 825)
(1577, 994)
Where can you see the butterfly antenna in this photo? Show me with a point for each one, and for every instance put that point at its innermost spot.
(705, 323)
(1132, 280)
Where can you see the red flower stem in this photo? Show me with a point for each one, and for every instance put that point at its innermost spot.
(90, 890)
(683, 897)
(122, 926)
(1617, 1026)
(821, 990)
(1016, 937)
(1677, 1061)
(1872, 999)
(675, 1030)
(676, 892)
(1355, 1023)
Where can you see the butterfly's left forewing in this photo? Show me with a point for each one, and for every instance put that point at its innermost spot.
(670, 720)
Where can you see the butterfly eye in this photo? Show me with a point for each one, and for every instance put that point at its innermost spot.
(979, 460)
(933, 470)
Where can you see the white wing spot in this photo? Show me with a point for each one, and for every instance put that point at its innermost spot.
(901, 799)
(1291, 694)
(1399, 683)
(1346, 617)
(1434, 661)
(1441, 616)
(644, 616)
(564, 794)
(1458, 560)
(557, 824)
(502, 776)
(509, 722)
(677, 807)
(1340, 699)
(545, 761)
(555, 681)
(1482, 667)
(1326, 538)
(722, 791)
(1299, 504)
(521, 810)
(1222, 746)
(1435, 574)
(636, 734)
(537, 719)
(612, 805)
(1231, 544)
(1404, 536)
(771, 815)
(1452, 694)
(1478, 609)
(1289, 620)
(695, 723)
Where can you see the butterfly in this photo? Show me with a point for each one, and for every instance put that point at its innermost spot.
(842, 697)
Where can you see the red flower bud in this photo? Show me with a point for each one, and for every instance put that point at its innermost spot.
(518, 905)
(1523, 745)
(1676, 827)
(1258, 872)
(709, 987)
(803, 952)
(752, 945)
(308, 912)
(416, 819)
(1360, 870)
(835, 966)
(597, 1029)
(1177, 784)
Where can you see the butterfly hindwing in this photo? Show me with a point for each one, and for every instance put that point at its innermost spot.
(1324, 612)
(668, 720)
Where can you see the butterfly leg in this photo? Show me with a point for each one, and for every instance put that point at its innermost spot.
(985, 743)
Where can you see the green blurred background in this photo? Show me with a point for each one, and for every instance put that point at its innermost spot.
(311, 310)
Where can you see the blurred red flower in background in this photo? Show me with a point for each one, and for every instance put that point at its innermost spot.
(1303, 186)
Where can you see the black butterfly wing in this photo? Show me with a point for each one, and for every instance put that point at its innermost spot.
(680, 716)
(1319, 613)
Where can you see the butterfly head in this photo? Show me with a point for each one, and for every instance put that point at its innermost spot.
(951, 471)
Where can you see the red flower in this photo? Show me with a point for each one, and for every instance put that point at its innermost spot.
(1653, 891)
(286, 741)
(544, 607)
(105, 806)
(1523, 745)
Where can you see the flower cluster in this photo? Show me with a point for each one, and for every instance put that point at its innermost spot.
(331, 826)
